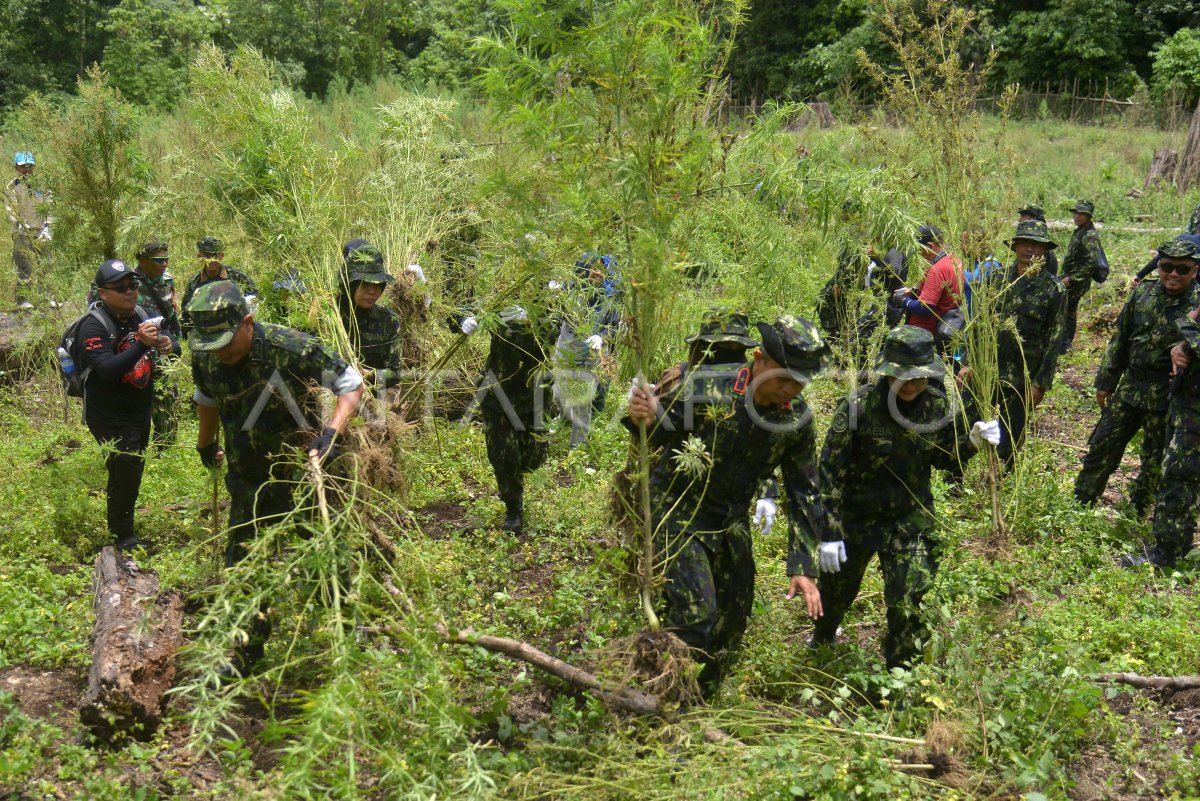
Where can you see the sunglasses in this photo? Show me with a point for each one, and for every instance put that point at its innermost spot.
(123, 289)
(160, 259)
(1178, 269)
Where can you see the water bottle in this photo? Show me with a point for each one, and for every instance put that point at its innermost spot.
(65, 362)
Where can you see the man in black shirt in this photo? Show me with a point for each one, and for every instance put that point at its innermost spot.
(117, 342)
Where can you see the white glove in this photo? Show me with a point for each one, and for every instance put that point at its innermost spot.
(252, 303)
(416, 270)
(595, 342)
(634, 384)
(469, 325)
(44, 234)
(764, 513)
(832, 555)
(514, 314)
(555, 285)
(988, 432)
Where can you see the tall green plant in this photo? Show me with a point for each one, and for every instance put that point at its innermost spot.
(618, 100)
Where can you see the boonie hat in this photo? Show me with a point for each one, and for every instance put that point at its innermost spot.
(1033, 210)
(365, 263)
(1179, 248)
(796, 345)
(724, 325)
(217, 310)
(209, 246)
(908, 353)
(112, 271)
(1034, 231)
(1084, 207)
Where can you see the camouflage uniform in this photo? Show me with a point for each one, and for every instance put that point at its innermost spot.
(876, 464)
(700, 519)
(157, 297)
(282, 368)
(26, 208)
(881, 278)
(1136, 370)
(1177, 503)
(513, 394)
(375, 332)
(1194, 223)
(1036, 304)
(1083, 255)
(244, 282)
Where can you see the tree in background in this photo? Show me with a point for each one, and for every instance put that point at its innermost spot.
(152, 42)
(1177, 69)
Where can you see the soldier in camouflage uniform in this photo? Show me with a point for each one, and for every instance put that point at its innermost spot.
(1078, 266)
(1193, 226)
(1177, 502)
(1131, 384)
(882, 447)
(747, 421)
(210, 254)
(156, 294)
(512, 396)
(1032, 211)
(374, 329)
(238, 364)
(1027, 358)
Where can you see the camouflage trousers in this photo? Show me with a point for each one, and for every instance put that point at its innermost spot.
(165, 416)
(1177, 503)
(27, 253)
(512, 452)
(709, 593)
(909, 564)
(1075, 294)
(1118, 423)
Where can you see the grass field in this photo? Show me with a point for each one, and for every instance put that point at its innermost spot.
(1007, 707)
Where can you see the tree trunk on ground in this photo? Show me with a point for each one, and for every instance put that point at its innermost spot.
(1154, 682)
(1188, 172)
(1162, 168)
(137, 631)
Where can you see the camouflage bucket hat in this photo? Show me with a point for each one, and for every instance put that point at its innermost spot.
(217, 310)
(1034, 231)
(1179, 248)
(724, 325)
(1033, 210)
(796, 345)
(1084, 207)
(365, 263)
(209, 246)
(908, 353)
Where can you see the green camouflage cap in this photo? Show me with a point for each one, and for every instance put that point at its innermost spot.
(365, 263)
(796, 345)
(1084, 207)
(1034, 231)
(209, 246)
(152, 246)
(1179, 248)
(908, 353)
(1033, 210)
(217, 310)
(724, 325)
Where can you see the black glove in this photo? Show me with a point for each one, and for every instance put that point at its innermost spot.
(208, 455)
(324, 445)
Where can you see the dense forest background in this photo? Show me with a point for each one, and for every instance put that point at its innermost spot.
(785, 50)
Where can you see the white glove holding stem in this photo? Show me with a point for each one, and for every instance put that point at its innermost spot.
(595, 342)
(764, 513)
(469, 325)
(416, 270)
(554, 285)
(44, 234)
(514, 314)
(988, 432)
(832, 555)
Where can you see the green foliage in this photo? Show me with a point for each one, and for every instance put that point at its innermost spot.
(152, 43)
(88, 152)
(1177, 69)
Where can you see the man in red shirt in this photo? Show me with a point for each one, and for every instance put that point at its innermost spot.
(942, 287)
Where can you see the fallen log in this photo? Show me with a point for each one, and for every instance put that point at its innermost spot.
(1153, 682)
(136, 635)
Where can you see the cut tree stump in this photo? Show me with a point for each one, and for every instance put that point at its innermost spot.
(1188, 171)
(1162, 168)
(137, 632)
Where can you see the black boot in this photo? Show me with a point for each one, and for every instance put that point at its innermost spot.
(1150, 555)
(514, 520)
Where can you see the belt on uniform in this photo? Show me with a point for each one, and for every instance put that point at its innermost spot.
(1162, 376)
